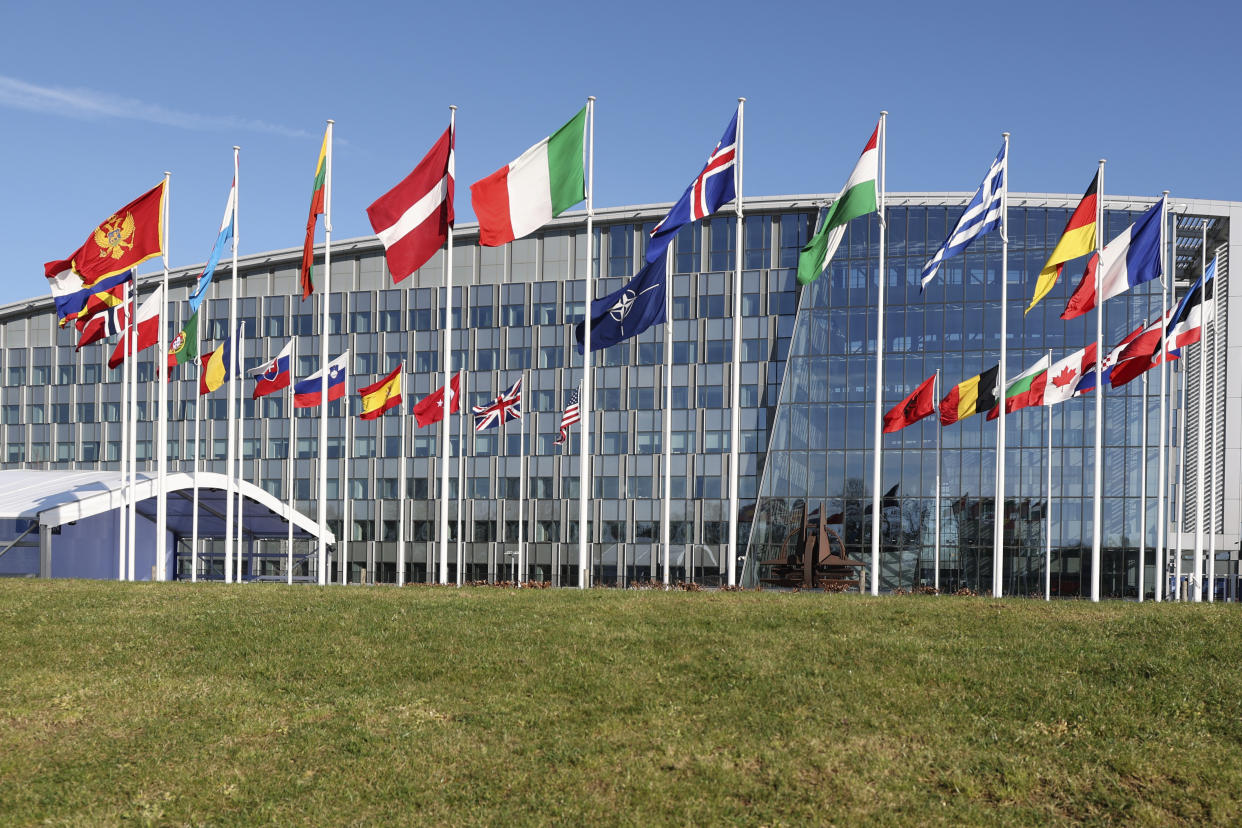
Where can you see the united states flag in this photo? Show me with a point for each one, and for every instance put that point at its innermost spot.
(508, 406)
(570, 416)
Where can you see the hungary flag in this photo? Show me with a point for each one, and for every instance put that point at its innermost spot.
(856, 199)
(1026, 389)
(542, 183)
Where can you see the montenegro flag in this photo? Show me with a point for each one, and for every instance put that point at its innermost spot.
(124, 240)
(382, 396)
(215, 368)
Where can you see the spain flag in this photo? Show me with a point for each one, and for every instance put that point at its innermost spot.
(384, 395)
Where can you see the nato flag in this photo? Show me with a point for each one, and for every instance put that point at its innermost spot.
(629, 311)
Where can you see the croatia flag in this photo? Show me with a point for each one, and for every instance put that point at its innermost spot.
(274, 375)
(1128, 260)
(306, 393)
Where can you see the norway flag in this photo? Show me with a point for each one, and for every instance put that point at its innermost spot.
(273, 376)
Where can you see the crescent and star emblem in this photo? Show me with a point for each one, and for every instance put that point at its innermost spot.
(115, 236)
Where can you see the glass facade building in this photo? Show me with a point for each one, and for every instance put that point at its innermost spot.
(807, 400)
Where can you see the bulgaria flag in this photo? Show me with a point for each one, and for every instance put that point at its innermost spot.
(1063, 376)
(1026, 389)
(412, 219)
(969, 397)
(856, 199)
(1077, 239)
(148, 317)
(542, 183)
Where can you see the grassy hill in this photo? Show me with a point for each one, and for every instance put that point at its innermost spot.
(190, 704)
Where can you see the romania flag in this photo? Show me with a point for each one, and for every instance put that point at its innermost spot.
(970, 397)
(384, 395)
(215, 368)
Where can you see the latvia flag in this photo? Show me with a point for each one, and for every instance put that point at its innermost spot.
(148, 318)
(412, 219)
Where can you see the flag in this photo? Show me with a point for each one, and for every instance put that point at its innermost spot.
(508, 406)
(217, 250)
(430, 409)
(1142, 354)
(542, 183)
(629, 310)
(273, 376)
(316, 210)
(1128, 260)
(857, 198)
(1087, 383)
(1064, 375)
(216, 367)
(920, 403)
(715, 186)
(184, 346)
(100, 326)
(381, 396)
(148, 320)
(307, 392)
(412, 219)
(970, 397)
(74, 300)
(1026, 389)
(1077, 239)
(123, 241)
(570, 416)
(1186, 325)
(983, 214)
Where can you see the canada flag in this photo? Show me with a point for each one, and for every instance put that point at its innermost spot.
(1063, 376)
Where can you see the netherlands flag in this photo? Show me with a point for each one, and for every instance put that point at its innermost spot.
(274, 375)
(306, 392)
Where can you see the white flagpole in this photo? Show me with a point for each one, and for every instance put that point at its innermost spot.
(1181, 491)
(461, 476)
(131, 359)
(198, 451)
(667, 447)
(326, 302)
(1201, 464)
(881, 283)
(1213, 476)
(123, 511)
(1163, 484)
(231, 451)
(446, 358)
(1097, 507)
(1048, 510)
(521, 538)
(936, 556)
(161, 428)
(1142, 550)
(735, 415)
(241, 451)
(584, 399)
(401, 486)
(346, 451)
(998, 520)
(289, 455)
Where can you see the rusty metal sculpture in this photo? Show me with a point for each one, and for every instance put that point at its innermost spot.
(812, 563)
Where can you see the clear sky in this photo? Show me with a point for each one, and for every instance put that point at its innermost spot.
(98, 99)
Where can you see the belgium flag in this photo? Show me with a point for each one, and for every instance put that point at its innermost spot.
(970, 397)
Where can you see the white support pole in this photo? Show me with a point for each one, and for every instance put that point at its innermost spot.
(131, 360)
(231, 450)
(161, 428)
(289, 461)
(461, 474)
(401, 492)
(521, 538)
(936, 547)
(584, 399)
(1214, 473)
(998, 520)
(878, 436)
(735, 414)
(241, 450)
(346, 451)
(446, 359)
(1162, 488)
(1142, 550)
(123, 512)
(1196, 580)
(1097, 503)
(1180, 489)
(667, 439)
(1048, 509)
(326, 302)
(198, 445)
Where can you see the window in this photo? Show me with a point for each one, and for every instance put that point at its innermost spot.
(540, 488)
(640, 486)
(543, 313)
(650, 353)
(718, 351)
(66, 375)
(616, 442)
(711, 396)
(547, 531)
(11, 414)
(643, 399)
(551, 356)
(707, 485)
(613, 531)
(513, 316)
(685, 353)
(609, 487)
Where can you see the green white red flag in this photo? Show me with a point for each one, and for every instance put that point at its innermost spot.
(857, 198)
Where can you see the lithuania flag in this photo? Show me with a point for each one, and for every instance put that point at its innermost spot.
(970, 397)
(856, 199)
(316, 210)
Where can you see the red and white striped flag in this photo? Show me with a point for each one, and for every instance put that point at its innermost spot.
(412, 219)
(570, 416)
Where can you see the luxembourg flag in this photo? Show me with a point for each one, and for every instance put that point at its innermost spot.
(306, 392)
(222, 240)
(1128, 260)
(273, 376)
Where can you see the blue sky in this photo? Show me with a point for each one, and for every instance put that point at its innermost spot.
(97, 100)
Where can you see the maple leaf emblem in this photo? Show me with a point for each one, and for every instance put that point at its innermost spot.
(1065, 377)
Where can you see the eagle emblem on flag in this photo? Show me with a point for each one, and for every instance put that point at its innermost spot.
(115, 236)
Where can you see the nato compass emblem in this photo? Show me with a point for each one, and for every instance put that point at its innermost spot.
(625, 304)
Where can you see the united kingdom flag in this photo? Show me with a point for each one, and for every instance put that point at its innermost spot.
(715, 186)
(508, 406)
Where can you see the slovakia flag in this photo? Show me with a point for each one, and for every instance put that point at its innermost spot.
(273, 376)
(306, 392)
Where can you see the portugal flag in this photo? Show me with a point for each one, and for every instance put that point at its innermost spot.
(970, 397)
(921, 403)
(384, 395)
(1077, 239)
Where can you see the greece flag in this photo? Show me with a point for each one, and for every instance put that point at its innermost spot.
(982, 214)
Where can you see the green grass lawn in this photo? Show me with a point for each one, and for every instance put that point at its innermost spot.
(193, 704)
